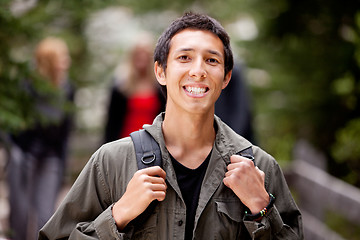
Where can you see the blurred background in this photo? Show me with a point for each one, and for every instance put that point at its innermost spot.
(301, 64)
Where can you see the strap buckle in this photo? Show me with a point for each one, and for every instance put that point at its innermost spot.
(147, 156)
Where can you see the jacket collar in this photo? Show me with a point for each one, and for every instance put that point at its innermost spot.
(227, 140)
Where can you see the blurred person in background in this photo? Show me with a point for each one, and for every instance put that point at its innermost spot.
(135, 97)
(234, 105)
(38, 155)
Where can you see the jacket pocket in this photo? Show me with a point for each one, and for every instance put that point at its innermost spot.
(227, 218)
(232, 209)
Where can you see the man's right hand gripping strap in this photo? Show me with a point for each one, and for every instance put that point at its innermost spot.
(147, 150)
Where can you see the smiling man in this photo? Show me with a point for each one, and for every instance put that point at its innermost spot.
(203, 188)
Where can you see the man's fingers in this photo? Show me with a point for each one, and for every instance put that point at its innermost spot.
(243, 163)
(158, 187)
(155, 180)
(261, 172)
(159, 195)
(154, 171)
(238, 158)
(156, 191)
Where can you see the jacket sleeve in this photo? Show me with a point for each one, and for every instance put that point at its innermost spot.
(86, 212)
(283, 221)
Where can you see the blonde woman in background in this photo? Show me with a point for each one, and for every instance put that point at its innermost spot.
(135, 97)
(38, 154)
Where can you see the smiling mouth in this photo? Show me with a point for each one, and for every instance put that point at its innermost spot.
(196, 90)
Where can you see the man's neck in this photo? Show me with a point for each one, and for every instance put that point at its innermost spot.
(189, 137)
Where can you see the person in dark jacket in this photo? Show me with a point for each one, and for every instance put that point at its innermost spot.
(203, 188)
(38, 154)
(234, 105)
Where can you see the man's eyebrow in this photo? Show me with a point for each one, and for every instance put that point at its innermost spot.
(185, 50)
(215, 53)
(191, 49)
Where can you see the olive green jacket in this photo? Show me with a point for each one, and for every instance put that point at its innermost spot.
(86, 212)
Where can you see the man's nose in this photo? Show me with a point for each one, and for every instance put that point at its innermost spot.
(198, 70)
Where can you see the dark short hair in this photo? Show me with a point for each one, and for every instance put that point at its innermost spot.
(192, 21)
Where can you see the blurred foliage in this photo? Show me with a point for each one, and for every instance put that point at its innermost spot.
(342, 226)
(303, 66)
(346, 150)
(310, 50)
(19, 34)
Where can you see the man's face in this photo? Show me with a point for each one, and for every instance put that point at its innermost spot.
(195, 71)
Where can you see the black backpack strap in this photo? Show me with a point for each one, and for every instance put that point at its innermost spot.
(248, 153)
(147, 150)
(148, 154)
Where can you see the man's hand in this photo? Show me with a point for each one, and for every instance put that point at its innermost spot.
(247, 182)
(146, 185)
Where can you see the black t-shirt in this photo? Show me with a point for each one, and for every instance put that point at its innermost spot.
(190, 181)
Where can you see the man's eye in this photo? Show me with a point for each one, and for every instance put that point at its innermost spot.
(184, 58)
(212, 60)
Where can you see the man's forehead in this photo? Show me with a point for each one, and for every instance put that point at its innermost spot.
(189, 32)
(194, 30)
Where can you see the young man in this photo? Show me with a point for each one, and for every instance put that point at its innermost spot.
(204, 190)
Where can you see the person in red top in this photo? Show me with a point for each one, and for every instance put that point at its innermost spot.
(135, 97)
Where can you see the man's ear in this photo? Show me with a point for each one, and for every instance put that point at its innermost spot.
(159, 73)
(227, 79)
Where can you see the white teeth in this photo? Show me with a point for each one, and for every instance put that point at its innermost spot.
(196, 90)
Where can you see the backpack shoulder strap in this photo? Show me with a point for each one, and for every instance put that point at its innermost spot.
(248, 153)
(147, 150)
(148, 154)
